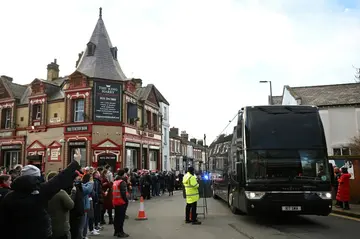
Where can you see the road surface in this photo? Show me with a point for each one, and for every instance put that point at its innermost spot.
(166, 220)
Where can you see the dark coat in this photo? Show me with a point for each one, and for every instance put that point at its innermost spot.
(3, 191)
(98, 195)
(170, 183)
(23, 210)
(107, 189)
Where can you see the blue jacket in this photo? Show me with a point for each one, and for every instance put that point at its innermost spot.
(87, 190)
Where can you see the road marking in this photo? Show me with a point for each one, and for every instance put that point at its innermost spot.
(345, 217)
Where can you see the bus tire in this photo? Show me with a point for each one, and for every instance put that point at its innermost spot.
(213, 193)
(233, 209)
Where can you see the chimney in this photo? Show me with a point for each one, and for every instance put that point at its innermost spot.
(193, 140)
(52, 71)
(8, 78)
(79, 58)
(200, 142)
(174, 132)
(138, 82)
(184, 135)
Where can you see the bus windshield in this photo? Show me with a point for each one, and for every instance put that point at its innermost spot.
(287, 165)
(284, 127)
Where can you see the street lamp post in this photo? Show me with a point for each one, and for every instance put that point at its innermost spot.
(271, 98)
(206, 159)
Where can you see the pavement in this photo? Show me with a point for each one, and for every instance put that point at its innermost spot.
(353, 212)
(166, 220)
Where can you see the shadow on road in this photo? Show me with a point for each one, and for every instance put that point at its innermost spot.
(285, 223)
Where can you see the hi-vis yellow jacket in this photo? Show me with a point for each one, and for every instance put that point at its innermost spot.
(191, 188)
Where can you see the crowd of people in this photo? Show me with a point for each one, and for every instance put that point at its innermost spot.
(74, 202)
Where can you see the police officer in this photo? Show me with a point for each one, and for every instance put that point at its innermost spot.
(192, 196)
(120, 202)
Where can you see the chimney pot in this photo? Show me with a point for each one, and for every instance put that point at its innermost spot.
(138, 82)
(52, 71)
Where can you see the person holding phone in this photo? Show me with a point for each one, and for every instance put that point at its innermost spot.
(32, 196)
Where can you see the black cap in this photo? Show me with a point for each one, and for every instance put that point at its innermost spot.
(191, 170)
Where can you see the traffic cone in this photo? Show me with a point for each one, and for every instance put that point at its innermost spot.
(141, 214)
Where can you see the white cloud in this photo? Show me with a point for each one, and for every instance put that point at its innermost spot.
(207, 57)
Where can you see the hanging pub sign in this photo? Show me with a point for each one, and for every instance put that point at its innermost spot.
(107, 157)
(107, 101)
(77, 143)
(77, 128)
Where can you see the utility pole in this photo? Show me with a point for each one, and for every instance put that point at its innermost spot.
(271, 97)
(206, 159)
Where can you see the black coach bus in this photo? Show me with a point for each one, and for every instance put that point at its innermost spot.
(277, 163)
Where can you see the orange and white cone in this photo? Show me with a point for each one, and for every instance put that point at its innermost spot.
(141, 214)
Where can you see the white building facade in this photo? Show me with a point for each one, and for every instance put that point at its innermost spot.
(340, 115)
(164, 109)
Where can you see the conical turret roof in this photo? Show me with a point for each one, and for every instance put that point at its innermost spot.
(99, 59)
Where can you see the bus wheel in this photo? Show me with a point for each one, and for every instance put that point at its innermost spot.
(233, 209)
(214, 195)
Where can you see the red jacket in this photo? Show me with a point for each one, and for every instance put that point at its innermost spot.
(343, 193)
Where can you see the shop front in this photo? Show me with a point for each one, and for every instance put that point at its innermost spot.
(80, 144)
(78, 137)
(154, 157)
(11, 154)
(107, 152)
(35, 154)
(132, 155)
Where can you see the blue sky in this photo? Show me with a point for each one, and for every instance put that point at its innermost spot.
(206, 56)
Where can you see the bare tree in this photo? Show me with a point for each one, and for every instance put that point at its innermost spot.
(357, 74)
(355, 146)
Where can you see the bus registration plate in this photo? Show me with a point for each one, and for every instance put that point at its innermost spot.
(291, 208)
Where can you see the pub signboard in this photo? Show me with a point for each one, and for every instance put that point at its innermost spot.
(107, 101)
(77, 128)
(77, 143)
(107, 157)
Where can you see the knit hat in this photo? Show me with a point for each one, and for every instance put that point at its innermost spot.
(30, 170)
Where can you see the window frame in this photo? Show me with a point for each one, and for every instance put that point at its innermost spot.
(36, 112)
(341, 151)
(75, 112)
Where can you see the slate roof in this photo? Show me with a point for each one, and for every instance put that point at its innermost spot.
(160, 97)
(102, 64)
(16, 90)
(277, 100)
(327, 95)
(143, 92)
(53, 90)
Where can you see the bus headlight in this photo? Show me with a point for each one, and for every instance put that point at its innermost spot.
(324, 195)
(254, 195)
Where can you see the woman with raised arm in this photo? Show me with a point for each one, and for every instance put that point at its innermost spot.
(23, 210)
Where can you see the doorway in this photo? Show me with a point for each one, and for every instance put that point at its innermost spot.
(107, 159)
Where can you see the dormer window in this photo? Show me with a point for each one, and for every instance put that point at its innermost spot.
(114, 52)
(36, 112)
(91, 49)
(6, 118)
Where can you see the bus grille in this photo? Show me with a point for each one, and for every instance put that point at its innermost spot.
(283, 197)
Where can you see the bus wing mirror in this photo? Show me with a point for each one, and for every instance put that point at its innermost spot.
(239, 171)
(332, 174)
